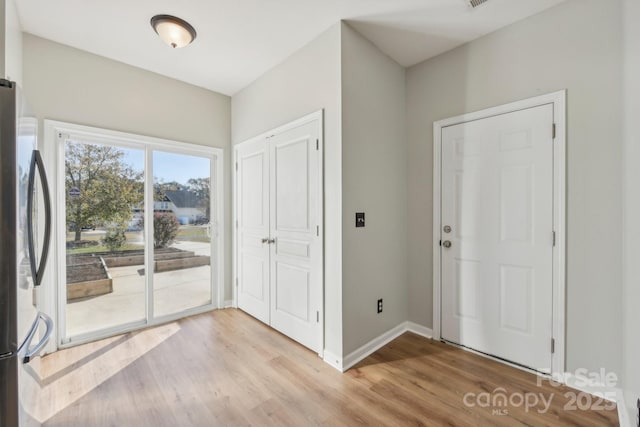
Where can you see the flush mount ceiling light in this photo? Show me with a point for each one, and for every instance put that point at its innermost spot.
(173, 31)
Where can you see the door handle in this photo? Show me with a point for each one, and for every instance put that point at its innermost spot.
(446, 244)
(31, 352)
(265, 240)
(271, 241)
(37, 270)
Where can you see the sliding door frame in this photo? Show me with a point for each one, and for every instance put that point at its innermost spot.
(54, 299)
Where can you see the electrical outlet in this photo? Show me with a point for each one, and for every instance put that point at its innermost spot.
(380, 305)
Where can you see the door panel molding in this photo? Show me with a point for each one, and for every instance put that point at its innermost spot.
(298, 240)
(508, 142)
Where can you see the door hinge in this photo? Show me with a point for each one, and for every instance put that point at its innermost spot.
(318, 230)
(553, 131)
(440, 242)
(553, 237)
(317, 317)
(553, 345)
(236, 223)
(236, 166)
(236, 282)
(317, 144)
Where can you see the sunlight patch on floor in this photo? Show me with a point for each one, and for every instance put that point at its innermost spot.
(71, 374)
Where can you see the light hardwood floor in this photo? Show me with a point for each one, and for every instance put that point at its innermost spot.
(226, 368)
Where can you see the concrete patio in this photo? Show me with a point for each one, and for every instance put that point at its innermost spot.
(174, 291)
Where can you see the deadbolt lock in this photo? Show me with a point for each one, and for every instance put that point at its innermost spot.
(447, 229)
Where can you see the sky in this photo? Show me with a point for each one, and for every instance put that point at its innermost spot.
(169, 167)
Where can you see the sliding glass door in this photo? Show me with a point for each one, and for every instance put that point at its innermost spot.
(182, 232)
(105, 250)
(140, 237)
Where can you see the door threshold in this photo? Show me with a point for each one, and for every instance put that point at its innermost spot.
(498, 359)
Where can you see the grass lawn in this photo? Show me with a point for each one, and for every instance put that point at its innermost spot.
(193, 234)
(101, 248)
(185, 234)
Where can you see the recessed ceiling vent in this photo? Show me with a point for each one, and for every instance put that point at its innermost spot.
(476, 3)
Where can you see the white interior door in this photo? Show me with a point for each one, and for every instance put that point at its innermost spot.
(296, 251)
(497, 215)
(253, 229)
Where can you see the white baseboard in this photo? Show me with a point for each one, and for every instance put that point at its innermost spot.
(612, 394)
(420, 330)
(626, 420)
(343, 364)
(333, 360)
(228, 303)
(373, 345)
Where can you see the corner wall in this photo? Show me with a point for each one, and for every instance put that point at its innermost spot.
(3, 36)
(10, 42)
(309, 80)
(374, 181)
(631, 235)
(577, 46)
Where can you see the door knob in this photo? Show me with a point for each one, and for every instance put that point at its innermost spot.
(446, 244)
(270, 241)
(265, 240)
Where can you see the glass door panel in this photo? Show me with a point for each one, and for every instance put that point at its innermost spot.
(105, 251)
(182, 203)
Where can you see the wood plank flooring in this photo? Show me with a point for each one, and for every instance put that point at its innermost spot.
(227, 369)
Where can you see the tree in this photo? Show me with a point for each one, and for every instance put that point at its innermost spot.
(201, 187)
(165, 229)
(115, 238)
(109, 188)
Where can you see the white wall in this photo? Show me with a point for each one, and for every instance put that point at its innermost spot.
(307, 81)
(3, 30)
(67, 84)
(631, 235)
(374, 181)
(13, 43)
(576, 46)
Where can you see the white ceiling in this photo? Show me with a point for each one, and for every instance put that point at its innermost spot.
(239, 40)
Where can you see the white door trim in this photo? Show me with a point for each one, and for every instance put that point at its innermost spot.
(558, 99)
(319, 116)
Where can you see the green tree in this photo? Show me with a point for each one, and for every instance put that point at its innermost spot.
(201, 187)
(109, 188)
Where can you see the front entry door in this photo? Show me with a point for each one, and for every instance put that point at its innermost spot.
(497, 235)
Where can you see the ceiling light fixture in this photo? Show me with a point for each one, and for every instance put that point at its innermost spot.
(173, 31)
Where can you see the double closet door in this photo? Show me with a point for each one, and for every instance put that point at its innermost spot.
(279, 231)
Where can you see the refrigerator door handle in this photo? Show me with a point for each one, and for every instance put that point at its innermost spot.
(31, 352)
(37, 270)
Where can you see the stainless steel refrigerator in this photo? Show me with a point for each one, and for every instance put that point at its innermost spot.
(25, 230)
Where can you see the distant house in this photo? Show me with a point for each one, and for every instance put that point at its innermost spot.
(183, 203)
